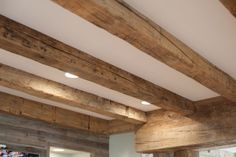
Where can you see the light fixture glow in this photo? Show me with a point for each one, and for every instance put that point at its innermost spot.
(3, 146)
(145, 103)
(58, 150)
(69, 75)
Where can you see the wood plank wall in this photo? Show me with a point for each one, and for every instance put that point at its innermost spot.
(42, 135)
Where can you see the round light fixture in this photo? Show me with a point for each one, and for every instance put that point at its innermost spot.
(69, 75)
(145, 103)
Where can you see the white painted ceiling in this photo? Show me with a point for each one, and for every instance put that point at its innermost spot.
(206, 26)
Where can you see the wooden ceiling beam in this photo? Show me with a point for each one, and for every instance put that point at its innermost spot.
(213, 124)
(46, 89)
(122, 21)
(186, 153)
(230, 5)
(118, 126)
(19, 106)
(29, 43)
(22, 107)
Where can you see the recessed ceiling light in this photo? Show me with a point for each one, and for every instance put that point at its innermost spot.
(58, 150)
(69, 75)
(145, 103)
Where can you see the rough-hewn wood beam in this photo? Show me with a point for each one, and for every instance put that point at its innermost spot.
(24, 41)
(230, 5)
(27, 108)
(22, 107)
(162, 155)
(121, 21)
(186, 153)
(118, 126)
(213, 124)
(43, 88)
(179, 153)
(18, 106)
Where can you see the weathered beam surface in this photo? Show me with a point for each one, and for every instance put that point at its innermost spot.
(179, 153)
(39, 134)
(24, 41)
(186, 153)
(46, 89)
(162, 154)
(22, 107)
(117, 126)
(121, 21)
(230, 5)
(213, 124)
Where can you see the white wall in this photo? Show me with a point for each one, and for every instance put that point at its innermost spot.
(58, 155)
(122, 145)
(216, 153)
(79, 154)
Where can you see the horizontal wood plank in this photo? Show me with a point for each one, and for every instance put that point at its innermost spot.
(117, 127)
(186, 153)
(22, 107)
(162, 154)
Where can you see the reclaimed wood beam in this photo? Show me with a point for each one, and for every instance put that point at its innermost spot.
(18, 106)
(29, 43)
(22, 107)
(213, 124)
(179, 153)
(118, 126)
(46, 89)
(186, 153)
(162, 154)
(122, 21)
(230, 5)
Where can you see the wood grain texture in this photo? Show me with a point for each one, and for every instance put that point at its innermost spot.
(162, 154)
(186, 153)
(39, 134)
(24, 41)
(179, 153)
(230, 5)
(213, 124)
(117, 127)
(121, 21)
(46, 89)
(22, 107)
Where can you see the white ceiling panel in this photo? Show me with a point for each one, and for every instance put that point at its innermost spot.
(204, 25)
